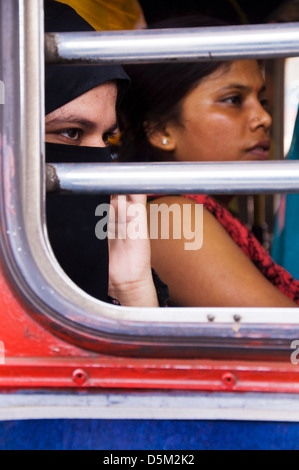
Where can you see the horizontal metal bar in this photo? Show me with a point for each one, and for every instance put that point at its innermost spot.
(175, 178)
(213, 43)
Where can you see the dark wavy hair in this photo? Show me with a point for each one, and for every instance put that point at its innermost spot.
(155, 95)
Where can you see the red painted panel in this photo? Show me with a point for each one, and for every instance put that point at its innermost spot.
(22, 336)
(35, 359)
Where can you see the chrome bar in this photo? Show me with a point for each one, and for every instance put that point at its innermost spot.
(213, 43)
(21, 139)
(175, 178)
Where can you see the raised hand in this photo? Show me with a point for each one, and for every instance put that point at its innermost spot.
(130, 274)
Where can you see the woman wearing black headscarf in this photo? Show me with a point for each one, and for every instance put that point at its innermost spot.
(81, 106)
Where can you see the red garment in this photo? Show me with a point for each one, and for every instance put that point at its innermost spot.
(245, 239)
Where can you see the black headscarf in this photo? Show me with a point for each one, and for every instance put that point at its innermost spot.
(64, 83)
(71, 219)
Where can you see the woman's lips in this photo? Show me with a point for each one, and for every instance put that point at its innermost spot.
(260, 150)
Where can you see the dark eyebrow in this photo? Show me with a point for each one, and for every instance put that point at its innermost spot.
(69, 120)
(243, 88)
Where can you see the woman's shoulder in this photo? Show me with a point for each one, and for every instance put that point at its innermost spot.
(212, 219)
(178, 218)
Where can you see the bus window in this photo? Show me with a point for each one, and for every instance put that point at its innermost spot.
(54, 300)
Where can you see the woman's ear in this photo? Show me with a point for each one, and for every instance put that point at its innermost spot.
(161, 138)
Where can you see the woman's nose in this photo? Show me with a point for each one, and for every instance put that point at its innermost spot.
(260, 118)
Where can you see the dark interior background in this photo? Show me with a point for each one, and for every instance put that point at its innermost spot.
(233, 11)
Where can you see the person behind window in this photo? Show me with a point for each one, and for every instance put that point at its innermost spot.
(209, 111)
(81, 104)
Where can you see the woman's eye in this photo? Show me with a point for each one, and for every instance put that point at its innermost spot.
(73, 134)
(234, 99)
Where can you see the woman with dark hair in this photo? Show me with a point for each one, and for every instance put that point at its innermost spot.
(81, 104)
(155, 96)
(211, 111)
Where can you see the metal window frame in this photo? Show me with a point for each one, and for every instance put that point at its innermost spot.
(38, 280)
